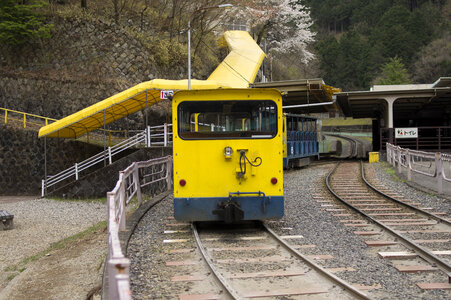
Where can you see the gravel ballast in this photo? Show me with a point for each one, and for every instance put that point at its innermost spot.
(151, 277)
(384, 174)
(306, 217)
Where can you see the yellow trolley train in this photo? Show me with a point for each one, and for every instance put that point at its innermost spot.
(228, 155)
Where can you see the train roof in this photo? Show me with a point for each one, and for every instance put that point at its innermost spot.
(300, 116)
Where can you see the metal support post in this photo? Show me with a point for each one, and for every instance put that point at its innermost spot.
(409, 171)
(438, 172)
(104, 139)
(147, 119)
(137, 184)
(388, 155)
(122, 204)
(169, 173)
(189, 54)
(44, 190)
(110, 159)
(165, 134)
(439, 140)
(399, 162)
(76, 171)
(149, 142)
(42, 187)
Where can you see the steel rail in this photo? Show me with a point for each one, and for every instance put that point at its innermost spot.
(209, 262)
(423, 253)
(354, 148)
(419, 210)
(317, 267)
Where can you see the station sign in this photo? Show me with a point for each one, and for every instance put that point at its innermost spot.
(406, 133)
(166, 94)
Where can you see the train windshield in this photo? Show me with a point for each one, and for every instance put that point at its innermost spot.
(227, 119)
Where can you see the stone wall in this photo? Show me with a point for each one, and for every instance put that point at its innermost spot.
(22, 159)
(98, 183)
(83, 63)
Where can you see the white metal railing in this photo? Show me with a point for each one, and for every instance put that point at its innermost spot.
(152, 136)
(153, 175)
(431, 164)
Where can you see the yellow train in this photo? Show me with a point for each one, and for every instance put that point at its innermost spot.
(228, 155)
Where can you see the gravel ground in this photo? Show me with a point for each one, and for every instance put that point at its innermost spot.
(41, 222)
(306, 217)
(394, 183)
(151, 277)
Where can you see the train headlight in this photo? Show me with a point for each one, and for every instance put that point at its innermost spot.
(228, 152)
(182, 182)
(274, 180)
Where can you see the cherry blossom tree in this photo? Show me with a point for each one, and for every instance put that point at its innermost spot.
(285, 24)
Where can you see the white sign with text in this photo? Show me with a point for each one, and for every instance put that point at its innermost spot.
(165, 94)
(406, 133)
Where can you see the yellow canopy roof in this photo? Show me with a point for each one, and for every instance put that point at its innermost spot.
(237, 70)
(240, 67)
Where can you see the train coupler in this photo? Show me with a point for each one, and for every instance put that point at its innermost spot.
(229, 211)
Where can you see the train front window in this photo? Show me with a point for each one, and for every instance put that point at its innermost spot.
(227, 119)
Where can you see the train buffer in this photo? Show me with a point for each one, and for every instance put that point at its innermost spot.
(6, 219)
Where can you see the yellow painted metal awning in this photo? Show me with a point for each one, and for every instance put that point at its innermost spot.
(240, 67)
(237, 70)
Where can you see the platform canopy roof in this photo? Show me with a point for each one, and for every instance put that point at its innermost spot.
(412, 100)
(312, 95)
(238, 70)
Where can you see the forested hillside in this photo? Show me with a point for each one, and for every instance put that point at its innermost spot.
(356, 38)
(351, 44)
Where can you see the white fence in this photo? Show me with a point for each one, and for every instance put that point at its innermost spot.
(150, 137)
(155, 175)
(434, 165)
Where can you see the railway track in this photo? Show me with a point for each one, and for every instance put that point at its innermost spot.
(357, 148)
(421, 239)
(254, 262)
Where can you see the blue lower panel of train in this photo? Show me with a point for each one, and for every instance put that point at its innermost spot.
(228, 209)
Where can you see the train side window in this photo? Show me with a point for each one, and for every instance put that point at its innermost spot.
(227, 119)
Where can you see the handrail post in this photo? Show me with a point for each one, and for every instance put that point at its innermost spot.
(409, 171)
(169, 173)
(110, 159)
(122, 205)
(6, 116)
(43, 188)
(137, 185)
(165, 134)
(149, 142)
(76, 171)
(388, 153)
(24, 121)
(438, 172)
(399, 161)
(392, 156)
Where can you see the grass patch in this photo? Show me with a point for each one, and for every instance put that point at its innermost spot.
(346, 122)
(21, 266)
(392, 173)
(11, 277)
(89, 200)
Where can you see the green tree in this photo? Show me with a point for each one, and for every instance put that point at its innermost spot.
(21, 21)
(394, 72)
